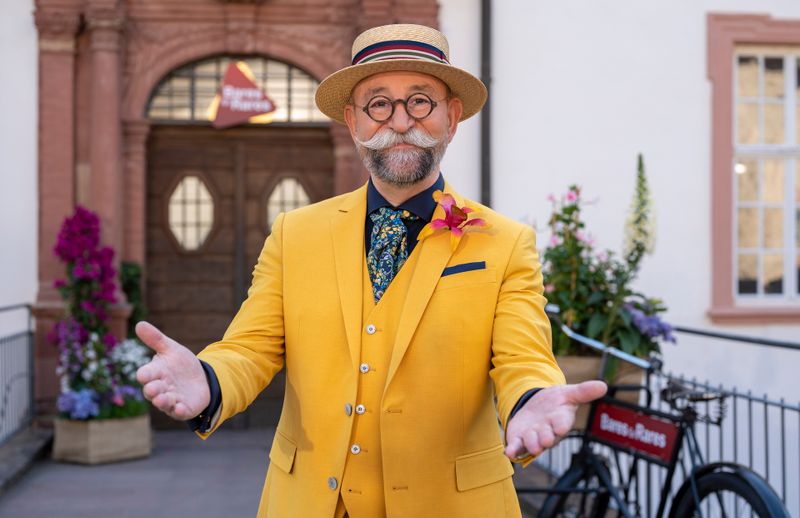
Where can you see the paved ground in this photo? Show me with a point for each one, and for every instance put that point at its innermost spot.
(184, 476)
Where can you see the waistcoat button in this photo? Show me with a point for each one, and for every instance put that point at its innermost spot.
(348, 409)
(355, 449)
(360, 409)
(370, 329)
(333, 483)
(364, 368)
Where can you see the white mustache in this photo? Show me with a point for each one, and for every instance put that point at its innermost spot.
(387, 138)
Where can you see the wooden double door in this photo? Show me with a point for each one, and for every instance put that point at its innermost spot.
(210, 197)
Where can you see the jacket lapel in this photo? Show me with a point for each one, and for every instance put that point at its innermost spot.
(347, 229)
(435, 252)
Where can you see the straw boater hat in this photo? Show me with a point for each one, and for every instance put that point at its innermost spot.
(413, 48)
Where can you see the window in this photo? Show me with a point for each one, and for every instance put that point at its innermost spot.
(187, 92)
(767, 172)
(754, 66)
(191, 212)
(288, 194)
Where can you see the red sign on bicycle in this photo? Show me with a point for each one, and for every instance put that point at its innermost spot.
(638, 431)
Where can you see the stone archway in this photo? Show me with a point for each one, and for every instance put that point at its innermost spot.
(156, 62)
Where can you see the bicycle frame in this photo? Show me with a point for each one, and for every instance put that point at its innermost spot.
(646, 434)
(654, 437)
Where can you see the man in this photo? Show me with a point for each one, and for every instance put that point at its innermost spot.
(399, 310)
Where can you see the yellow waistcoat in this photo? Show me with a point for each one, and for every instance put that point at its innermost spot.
(438, 350)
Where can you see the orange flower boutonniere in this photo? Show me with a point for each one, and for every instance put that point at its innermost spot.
(456, 219)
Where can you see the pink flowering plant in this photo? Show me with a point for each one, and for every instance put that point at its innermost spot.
(97, 373)
(593, 288)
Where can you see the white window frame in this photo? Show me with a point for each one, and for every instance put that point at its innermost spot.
(790, 154)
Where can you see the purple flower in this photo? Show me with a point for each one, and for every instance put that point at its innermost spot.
(650, 326)
(79, 233)
(109, 340)
(81, 404)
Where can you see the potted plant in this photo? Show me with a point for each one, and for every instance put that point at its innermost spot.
(593, 289)
(103, 416)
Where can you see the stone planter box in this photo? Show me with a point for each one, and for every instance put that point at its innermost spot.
(97, 441)
(583, 368)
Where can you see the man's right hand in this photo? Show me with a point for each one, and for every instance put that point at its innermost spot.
(174, 380)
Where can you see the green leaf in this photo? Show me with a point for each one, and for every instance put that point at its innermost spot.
(596, 325)
(629, 341)
(595, 298)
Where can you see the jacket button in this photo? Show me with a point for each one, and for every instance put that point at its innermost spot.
(370, 329)
(333, 483)
(360, 409)
(355, 449)
(348, 409)
(364, 368)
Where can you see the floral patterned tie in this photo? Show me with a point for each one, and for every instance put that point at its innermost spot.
(388, 247)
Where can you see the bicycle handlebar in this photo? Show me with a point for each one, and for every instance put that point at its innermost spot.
(553, 311)
(675, 391)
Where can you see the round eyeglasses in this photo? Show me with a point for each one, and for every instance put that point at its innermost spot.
(418, 106)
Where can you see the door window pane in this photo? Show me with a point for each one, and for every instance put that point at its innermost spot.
(773, 123)
(748, 266)
(773, 228)
(289, 194)
(189, 92)
(190, 212)
(748, 228)
(747, 180)
(773, 181)
(747, 74)
(773, 77)
(747, 123)
(797, 231)
(773, 273)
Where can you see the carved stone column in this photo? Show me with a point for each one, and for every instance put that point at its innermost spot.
(105, 23)
(349, 172)
(134, 185)
(57, 29)
(105, 154)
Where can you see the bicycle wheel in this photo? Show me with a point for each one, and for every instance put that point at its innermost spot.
(591, 503)
(729, 494)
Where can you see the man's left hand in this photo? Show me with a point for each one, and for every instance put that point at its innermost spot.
(547, 417)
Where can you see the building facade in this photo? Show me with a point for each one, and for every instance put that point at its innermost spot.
(707, 92)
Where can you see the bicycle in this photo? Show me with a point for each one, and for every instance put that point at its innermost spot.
(587, 488)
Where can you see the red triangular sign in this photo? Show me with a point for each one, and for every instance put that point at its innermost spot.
(240, 99)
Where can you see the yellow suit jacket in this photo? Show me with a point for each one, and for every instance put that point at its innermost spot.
(462, 340)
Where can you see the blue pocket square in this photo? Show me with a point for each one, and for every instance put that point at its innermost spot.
(466, 267)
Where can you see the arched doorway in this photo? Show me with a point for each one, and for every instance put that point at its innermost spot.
(212, 195)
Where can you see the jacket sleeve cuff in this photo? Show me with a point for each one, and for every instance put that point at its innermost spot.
(521, 402)
(526, 459)
(207, 418)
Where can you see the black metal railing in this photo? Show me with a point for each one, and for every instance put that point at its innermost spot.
(757, 431)
(16, 374)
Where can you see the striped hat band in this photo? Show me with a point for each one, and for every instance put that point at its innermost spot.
(400, 49)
